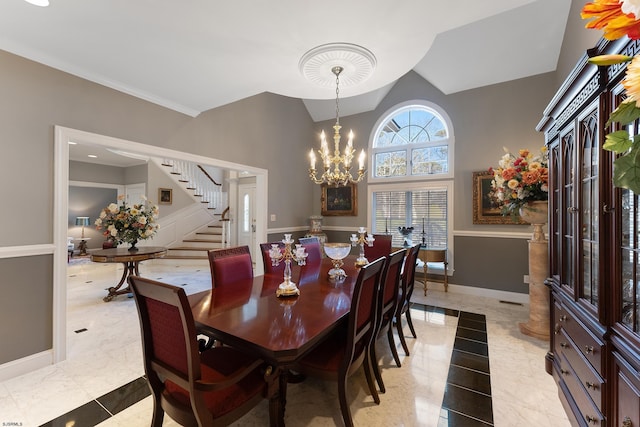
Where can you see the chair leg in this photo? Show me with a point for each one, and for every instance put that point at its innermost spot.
(410, 323)
(392, 345)
(367, 374)
(344, 405)
(374, 365)
(158, 413)
(401, 334)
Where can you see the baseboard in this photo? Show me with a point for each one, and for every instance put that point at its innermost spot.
(515, 297)
(25, 365)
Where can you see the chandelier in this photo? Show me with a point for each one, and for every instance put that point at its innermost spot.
(322, 65)
(337, 167)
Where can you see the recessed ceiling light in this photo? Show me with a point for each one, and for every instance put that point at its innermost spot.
(42, 3)
(93, 156)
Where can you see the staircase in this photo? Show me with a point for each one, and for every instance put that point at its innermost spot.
(204, 189)
(197, 247)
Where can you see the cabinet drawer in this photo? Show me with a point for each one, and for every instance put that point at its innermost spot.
(586, 375)
(588, 344)
(627, 385)
(588, 412)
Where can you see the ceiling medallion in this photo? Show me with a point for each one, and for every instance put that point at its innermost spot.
(357, 62)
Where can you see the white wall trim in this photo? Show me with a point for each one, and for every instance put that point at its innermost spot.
(19, 251)
(493, 234)
(24, 365)
(515, 297)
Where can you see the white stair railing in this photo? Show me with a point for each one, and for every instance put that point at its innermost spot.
(203, 187)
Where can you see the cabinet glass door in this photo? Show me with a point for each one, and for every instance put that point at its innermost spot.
(589, 203)
(567, 212)
(630, 261)
(554, 207)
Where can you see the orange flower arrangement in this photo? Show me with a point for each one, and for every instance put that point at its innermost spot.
(619, 18)
(520, 179)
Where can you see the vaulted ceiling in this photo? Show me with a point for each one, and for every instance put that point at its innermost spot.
(195, 55)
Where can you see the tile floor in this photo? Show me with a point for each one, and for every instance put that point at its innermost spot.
(448, 380)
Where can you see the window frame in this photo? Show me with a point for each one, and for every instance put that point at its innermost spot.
(394, 111)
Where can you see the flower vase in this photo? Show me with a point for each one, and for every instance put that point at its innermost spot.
(133, 247)
(536, 214)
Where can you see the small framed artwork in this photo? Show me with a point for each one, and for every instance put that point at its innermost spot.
(339, 201)
(486, 210)
(165, 196)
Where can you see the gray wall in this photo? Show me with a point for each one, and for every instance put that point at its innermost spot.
(26, 306)
(266, 131)
(88, 201)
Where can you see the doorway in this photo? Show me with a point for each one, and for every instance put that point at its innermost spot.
(62, 137)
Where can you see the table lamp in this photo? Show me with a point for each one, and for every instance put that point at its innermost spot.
(83, 221)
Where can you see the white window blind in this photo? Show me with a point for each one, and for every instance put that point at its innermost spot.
(424, 210)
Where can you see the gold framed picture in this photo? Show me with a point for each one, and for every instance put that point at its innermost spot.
(339, 201)
(165, 196)
(485, 208)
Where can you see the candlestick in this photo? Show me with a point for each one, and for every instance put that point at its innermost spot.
(361, 240)
(287, 287)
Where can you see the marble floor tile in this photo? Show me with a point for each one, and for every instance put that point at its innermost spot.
(107, 354)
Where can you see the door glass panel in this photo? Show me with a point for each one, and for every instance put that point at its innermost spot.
(554, 201)
(630, 262)
(589, 208)
(567, 213)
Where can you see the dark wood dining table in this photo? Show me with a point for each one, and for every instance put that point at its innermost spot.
(247, 314)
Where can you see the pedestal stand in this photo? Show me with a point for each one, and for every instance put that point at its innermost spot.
(538, 324)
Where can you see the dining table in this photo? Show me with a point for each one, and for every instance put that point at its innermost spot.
(248, 315)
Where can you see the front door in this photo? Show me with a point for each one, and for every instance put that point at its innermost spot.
(247, 217)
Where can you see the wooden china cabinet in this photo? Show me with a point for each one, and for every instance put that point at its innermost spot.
(594, 251)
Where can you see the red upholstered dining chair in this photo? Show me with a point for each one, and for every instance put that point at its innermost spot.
(230, 265)
(216, 387)
(387, 308)
(343, 352)
(406, 290)
(381, 247)
(313, 248)
(266, 259)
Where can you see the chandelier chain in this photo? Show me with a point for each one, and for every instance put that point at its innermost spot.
(337, 71)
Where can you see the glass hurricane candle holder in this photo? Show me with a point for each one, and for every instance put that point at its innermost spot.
(337, 252)
(287, 288)
(360, 239)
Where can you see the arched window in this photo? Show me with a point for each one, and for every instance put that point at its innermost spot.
(412, 141)
(411, 185)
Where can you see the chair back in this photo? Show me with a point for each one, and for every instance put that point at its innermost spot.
(381, 247)
(266, 259)
(217, 386)
(313, 248)
(390, 288)
(408, 275)
(230, 265)
(169, 343)
(362, 317)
